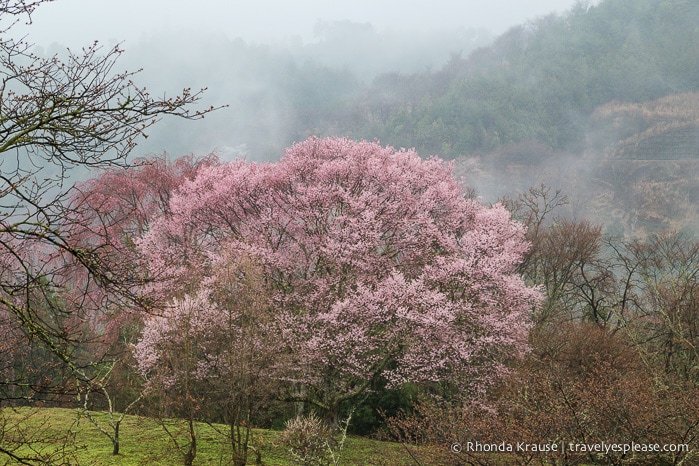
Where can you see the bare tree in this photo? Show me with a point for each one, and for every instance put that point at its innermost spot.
(59, 114)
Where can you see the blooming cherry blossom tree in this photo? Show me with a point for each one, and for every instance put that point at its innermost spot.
(215, 349)
(378, 262)
(106, 214)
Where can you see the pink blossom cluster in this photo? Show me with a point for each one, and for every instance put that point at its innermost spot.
(377, 262)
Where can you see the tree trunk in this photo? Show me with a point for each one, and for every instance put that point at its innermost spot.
(115, 442)
(192, 450)
(331, 417)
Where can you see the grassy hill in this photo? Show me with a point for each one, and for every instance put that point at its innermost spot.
(65, 437)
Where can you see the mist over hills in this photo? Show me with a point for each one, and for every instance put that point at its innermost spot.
(600, 101)
(280, 93)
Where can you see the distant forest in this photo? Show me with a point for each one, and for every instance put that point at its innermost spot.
(589, 101)
(539, 82)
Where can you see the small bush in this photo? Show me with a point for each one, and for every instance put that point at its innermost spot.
(308, 440)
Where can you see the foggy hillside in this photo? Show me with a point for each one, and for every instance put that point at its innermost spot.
(599, 102)
(581, 101)
(280, 93)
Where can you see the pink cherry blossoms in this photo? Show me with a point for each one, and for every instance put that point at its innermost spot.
(378, 265)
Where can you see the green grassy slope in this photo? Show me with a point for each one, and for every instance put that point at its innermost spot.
(144, 442)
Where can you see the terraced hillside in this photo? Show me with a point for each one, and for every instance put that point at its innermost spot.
(649, 176)
(639, 174)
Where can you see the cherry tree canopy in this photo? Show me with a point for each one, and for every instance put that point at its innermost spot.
(378, 262)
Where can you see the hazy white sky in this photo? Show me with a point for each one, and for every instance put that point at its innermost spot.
(79, 22)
